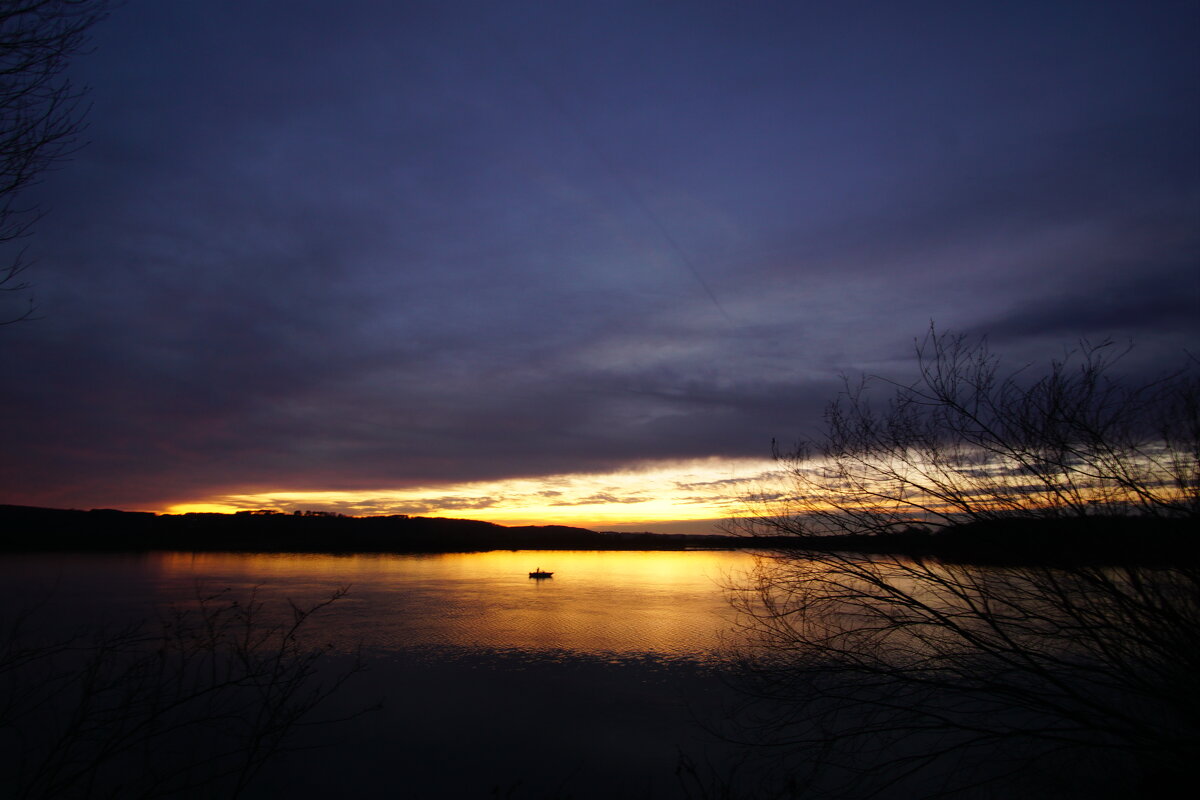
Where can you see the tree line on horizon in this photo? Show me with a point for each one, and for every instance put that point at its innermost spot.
(882, 675)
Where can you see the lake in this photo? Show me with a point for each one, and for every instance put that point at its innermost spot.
(603, 680)
(587, 684)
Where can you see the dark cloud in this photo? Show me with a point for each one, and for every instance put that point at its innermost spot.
(1129, 300)
(729, 484)
(603, 497)
(394, 245)
(439, 503)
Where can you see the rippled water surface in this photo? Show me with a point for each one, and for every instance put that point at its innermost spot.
(585, 685)
(669, 604)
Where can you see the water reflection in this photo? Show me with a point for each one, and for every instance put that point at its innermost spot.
(616, 649)
(669, 604)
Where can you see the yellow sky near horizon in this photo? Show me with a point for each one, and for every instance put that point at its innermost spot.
(662, 492)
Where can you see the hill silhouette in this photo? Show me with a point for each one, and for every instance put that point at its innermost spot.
(30, 528)
(1097, 540)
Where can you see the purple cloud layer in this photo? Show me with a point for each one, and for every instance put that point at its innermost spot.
(394, 244)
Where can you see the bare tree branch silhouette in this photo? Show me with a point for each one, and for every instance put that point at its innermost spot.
(194, 708)
(41, 112)
(1030, 664)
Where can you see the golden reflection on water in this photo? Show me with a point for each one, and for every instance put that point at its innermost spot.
(667, 603)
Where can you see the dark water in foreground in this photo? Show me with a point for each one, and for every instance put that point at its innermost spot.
(589, 684)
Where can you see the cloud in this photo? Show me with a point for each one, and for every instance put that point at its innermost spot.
(603, 497)
(410, 246)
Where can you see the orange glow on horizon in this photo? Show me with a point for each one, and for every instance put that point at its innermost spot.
(201, 508)
(697, 490)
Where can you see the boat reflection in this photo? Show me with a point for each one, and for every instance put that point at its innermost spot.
(667, 604)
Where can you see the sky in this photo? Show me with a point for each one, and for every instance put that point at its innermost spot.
(573, 262)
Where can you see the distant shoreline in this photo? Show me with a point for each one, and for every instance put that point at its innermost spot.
(32, 528)
(1099, 540)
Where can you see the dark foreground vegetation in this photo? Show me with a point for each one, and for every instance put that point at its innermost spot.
(192, 705)
(1052, 647)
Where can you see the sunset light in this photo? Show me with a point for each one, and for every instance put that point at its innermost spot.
(626, 399)
(700, 490)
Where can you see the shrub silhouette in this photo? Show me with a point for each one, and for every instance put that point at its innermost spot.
(906, 675)
(194, 708)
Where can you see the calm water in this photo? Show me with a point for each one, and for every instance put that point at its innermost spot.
(668, 605)
(590, 684)
(584, 685)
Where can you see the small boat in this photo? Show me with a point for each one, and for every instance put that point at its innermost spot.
(538, 573)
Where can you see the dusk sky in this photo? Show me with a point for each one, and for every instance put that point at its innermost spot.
(574, 261)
